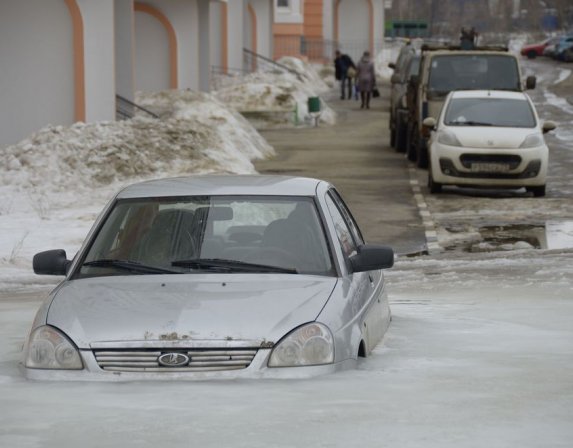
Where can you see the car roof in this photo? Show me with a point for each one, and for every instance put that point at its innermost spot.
(435, 53)
(219, 185)
(503, 94)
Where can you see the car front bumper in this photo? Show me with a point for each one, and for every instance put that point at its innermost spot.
(257, 369)
(499, 167)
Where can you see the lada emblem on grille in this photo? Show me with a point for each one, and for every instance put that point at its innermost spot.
(173, 360)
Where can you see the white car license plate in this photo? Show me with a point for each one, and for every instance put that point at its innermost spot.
(490, 167)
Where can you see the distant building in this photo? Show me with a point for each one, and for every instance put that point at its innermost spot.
(63, 61)
(316, 28)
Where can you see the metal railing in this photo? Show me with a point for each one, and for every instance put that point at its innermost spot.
(256, 62)
(125, 109)
(315, 49)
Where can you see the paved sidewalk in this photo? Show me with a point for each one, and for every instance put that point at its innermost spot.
(356, 157)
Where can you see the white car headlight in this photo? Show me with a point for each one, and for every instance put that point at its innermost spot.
(448, 138)
(309, 345)
(50, 349)
(532, 141)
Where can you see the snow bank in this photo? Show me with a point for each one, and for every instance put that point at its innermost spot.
(270, 98)
(388, 54)
(198, 135)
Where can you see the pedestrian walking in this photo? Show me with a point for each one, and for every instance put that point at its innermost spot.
(342, 65)
(366, 79)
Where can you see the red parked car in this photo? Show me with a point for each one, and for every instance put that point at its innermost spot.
(534, 50)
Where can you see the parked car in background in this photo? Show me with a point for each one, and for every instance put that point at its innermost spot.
(213, 277)
(534, 50)
(556, 50)
(398, 100)
(488, 138)
(444, 69)
(563, 47)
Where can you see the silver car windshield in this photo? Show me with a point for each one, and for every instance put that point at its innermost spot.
(500, 112)
(210, 234)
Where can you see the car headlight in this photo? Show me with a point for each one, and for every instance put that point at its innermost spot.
(50, 349)
(532, 141)
(448, 138)
(309, 345)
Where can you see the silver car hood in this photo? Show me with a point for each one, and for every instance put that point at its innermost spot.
(188, 307)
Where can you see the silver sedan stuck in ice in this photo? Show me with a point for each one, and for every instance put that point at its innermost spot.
(213, 277)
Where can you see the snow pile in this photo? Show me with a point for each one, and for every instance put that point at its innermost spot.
(326, 72)
(307, 72)
(200, 135)
(387, 55)
(278, 99)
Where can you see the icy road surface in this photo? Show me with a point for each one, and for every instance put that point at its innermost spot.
(479, 354)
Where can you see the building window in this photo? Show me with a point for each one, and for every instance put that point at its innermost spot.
(283, 3)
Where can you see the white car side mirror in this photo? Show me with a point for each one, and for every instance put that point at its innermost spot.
(548, 126)
(429, 122)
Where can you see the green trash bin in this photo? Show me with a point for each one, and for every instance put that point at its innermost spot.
(314, 105)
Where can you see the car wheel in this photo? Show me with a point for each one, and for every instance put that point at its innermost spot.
(537, 191)
(434, 187)
(531, 54)
(401, 136)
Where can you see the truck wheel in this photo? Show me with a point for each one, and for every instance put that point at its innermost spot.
(531, 54)
(401, 136)
(410, 143)
(422, 150)
(393, 137)
(537, 191)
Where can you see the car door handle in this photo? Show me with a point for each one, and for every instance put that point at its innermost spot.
(371, 279)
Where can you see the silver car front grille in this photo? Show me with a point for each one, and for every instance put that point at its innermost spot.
(147, 360)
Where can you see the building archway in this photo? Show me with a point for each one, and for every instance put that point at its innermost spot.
(156, 57)
(354, 26)
(41, 55)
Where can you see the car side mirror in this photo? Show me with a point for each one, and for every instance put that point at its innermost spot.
(371, 257)
(548, 126)
(429, 123)
(395, 79)
(51, 262)
(392, 65)
(530, 82)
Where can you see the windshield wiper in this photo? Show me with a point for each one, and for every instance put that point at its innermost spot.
(469, 123)
(129, 266)
(230, 265)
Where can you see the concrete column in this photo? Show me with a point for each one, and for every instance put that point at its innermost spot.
(124, 48)
(264, 12)
(379, 25)
(204, 45)
(328, 19)
(235, 35)
(99, 44)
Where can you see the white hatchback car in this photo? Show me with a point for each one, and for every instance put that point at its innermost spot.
(213, 277)
(488, 138)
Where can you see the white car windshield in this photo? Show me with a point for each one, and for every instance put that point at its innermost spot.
(210, 234)
(500, 112)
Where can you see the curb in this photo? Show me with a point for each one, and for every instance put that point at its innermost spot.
(432, 244)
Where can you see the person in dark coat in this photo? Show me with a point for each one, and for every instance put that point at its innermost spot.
(365, 79)
(342, 63)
